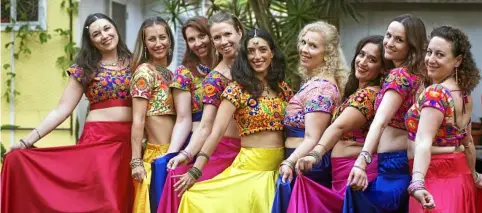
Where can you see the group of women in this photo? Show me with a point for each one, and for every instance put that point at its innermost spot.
(225, 133)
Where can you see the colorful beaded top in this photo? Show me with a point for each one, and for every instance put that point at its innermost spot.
(214, 85)
(256, 115)
(440, 98)
(107, 84)
(185, 80)
(148, 83)
(406, 85)
(316, 95)
(363, 100)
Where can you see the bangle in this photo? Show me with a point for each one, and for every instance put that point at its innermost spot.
(39, 137)
(322, 146)
(136, 162)
(423, 175)
(195, 173)
(416, 185)
(296, 155)
(202, 154)
(358, 167)
(316, 155)
(288, 163)
(24, 143)
(187, 154)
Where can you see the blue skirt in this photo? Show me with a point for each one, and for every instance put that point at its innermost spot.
(321, 173)
(159, 174)
(388, 192)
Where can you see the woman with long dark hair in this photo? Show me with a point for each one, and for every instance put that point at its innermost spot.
(404, 44)
(346, 133)
(439, 123)
(153, 106)
(257, 100)
(92, 176)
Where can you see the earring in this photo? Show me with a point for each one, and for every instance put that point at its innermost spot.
(325, 58)
(145, 52)
(216, 53)
(170, 51)
(456, 75)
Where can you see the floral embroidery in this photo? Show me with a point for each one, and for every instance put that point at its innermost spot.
(363, 100)
(406, 85)
(106, 84)
(440, 98)
(213, 85)
(317, 95)
(256, 115)
(149, 84)
(185, 80)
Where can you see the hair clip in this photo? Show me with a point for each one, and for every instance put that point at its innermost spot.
(86, 27)
(255, 38)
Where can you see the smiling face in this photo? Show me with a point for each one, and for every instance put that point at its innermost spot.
(103, 35)
(157, 42)
(395, 43)
(225, 39)
(368, 63)
(311, 50)
(197, 42)
(439, 60)
(259, 54)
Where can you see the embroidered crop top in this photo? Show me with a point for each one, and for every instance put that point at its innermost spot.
(363, 100)
(214, 85)
(148, 83)
(106, 85)
(185, 80)
(440, 98)
(317, 95)
(406, 85)
(256, 115)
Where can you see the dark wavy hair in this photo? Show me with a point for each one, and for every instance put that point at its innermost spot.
(468, 74)
(244, 74)
(224, 16)
(140, 49)
(352, 83)
(89, 56)
(416, 38)
(190, 59)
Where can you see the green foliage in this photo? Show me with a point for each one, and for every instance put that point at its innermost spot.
(282, 18)
(2, 152)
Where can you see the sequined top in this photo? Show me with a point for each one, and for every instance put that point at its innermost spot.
(363, 100)
(256, 115)
(148, 83)
(406, 85)
(185, 80)
(316, 95)
(214, 85)
(107, 84)
(440, 98)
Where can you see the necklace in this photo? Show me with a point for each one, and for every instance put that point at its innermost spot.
(266, 88)
(203, 69)
(166, 74)
(110, 64)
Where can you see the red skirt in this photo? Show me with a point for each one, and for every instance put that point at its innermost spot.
(93, 176)
(451, 184)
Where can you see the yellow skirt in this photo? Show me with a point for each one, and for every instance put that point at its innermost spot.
(141, 202)
(248, 185)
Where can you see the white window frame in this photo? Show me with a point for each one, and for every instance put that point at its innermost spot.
(41, 22)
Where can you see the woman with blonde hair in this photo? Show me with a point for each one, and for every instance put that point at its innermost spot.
(308, 114)
(152, 104)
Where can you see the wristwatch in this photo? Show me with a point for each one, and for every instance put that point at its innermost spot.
(366, 155)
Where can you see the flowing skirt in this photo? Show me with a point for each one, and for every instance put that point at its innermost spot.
(93, 176)
(310, 196)
(321, 173)
(248, 185)
(142, 201)
(451, 184)
(388, 192)
(159, 175)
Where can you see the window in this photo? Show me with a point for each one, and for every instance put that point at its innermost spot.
(20, 12)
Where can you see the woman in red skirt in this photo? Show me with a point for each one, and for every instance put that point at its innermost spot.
(443, 165)
(93, 176)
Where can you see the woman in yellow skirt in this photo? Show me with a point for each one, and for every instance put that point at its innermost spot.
(257, 99)
(152, 103)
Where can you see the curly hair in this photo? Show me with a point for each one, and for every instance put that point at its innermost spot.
(353, 83)
(468, 75)
(334, 65)
(416, 38)
(190, 59)
(244, 74)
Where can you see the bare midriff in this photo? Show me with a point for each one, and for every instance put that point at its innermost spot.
(266, 139)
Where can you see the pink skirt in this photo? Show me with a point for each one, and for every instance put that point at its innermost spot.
(223, 156)
(309, 196)
(450, 182)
